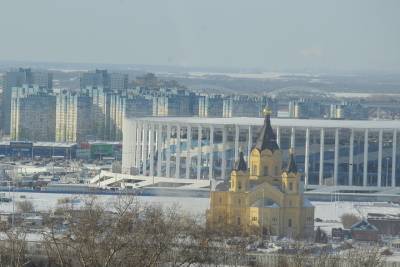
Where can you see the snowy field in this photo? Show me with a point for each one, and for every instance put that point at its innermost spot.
(329, 212)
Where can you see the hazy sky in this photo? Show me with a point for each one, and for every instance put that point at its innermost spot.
(269, 35)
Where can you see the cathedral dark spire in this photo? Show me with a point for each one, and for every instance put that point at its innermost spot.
(292, 167)
(240, 165)
(267, 139)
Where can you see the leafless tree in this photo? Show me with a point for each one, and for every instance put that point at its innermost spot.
(348, 219)
(364, 257)
(25, 206)
(13, 247)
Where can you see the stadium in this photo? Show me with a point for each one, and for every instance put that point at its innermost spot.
(328, 152)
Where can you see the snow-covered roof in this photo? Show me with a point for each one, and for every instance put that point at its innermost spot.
(276, 122)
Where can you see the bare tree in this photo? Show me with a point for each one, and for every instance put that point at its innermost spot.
(348, 219)
(25, 206)
(13, 247)
(364, 257)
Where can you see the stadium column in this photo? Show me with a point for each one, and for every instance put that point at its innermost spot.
(131, 151)
(159, 149)
(139, 145)
(224, 146)
(168, 152)
(249, 142)
(151, 146)
(211, 151)
(237, 131)
(394, 150)
(321, 156)
(178, 152)
(365, 170)
(199, 137)
(293, 139)
(188, 148)
(336, 158)
(351, 157)
(278, 136)
(306, 156)
(380, 159)
(145, 147)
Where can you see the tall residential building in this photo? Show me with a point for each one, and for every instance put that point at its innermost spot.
(99, 78)
(100, 113)
(18, 78)
(306, 108)
(246, 106)
(32, 114)
(72, 113)
(116, 82)
(210, 106)
(126, 106)
(176, 104)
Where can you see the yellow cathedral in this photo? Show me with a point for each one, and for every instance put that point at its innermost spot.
(263, 196)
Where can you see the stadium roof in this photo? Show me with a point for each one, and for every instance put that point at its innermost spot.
(277, 122)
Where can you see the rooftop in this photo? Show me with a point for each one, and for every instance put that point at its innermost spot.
(277, 122)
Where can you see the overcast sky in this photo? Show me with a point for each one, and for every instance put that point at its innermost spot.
(269, 35)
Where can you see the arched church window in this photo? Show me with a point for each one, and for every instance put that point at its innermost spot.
(291, 186)
(254, 169)
(238, 220)
(239, 185)
(265, 170)
(290, 223)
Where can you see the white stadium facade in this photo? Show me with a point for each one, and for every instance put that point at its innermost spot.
(328, 152)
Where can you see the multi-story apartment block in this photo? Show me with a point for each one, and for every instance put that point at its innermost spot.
(116, 82)
(246, 106)
(17, 78)
(126, 106)
(72, 113)
(100, 112)
(210, 105)
(32, 114)
(175, 102)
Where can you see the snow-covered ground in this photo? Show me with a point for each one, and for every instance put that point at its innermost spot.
(329, 212)
(48, 201)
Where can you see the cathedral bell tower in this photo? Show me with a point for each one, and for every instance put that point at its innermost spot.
(266, 158)
(291, 184)
(240, 176)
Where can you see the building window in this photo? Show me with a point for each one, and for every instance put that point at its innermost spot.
(254, 169)
(240, 185)
(265, 170)
(238, 220)
(290, 186)
(254, 219)
(290, 223)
